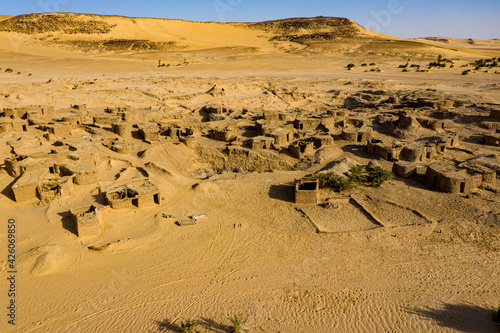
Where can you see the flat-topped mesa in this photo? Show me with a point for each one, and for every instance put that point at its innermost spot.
(323, 28)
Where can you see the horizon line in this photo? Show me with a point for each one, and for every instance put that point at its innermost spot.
(234, 22)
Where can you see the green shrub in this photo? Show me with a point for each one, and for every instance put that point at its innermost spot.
(358, 173)
(364, 64)
(373, 64)
(378, 176)
(238, 323)
(189, 326)
(334, 181)
(350, 66)
(465, 72)
(8, 70)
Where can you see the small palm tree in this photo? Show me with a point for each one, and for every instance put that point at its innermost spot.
(323, 179)
(334, 181)
(358, 173)
(238, 323)
(189, 326)
(378, 176)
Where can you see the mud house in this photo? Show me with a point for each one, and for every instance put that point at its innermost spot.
(281, 136)
(387, 149)
(448, 178)
(271, 116)
(445, 141)
(86, 220)
(407, 169)
(6, 126)
(306, 124)
(307, 191)
(89, 154)
(150, 133)
(136, 195)
(224, 134)
(262, 142)
(418, 152)
(82, 172)
(105, 121)
(121, 147)
(122, 129)
(360, 135)
(215, 109)
(488, 174)
(338, 115)
(22, 112)
(173, 131)
(265, 127)
(25, 188)
(75, 119)
(302, 148)
(54, 187)
(17, 166)
(59, 129)
(323, 140)
(13, 125)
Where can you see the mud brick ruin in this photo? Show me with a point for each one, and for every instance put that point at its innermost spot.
(54, 150)
(136, 195)
(307, 191)
(86, 220)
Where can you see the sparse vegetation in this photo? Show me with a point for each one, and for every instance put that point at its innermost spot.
(334, 181)
(405, 65)
(441, 62)
(488, 63)
(238, 323)
(184, 63)
(358, 173)
(378, 176)
(189, 326)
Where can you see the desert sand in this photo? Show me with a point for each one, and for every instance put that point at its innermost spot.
(200, 105)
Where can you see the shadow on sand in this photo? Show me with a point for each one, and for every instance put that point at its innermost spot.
(67, 222)
(283, 192)
(460, 317)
